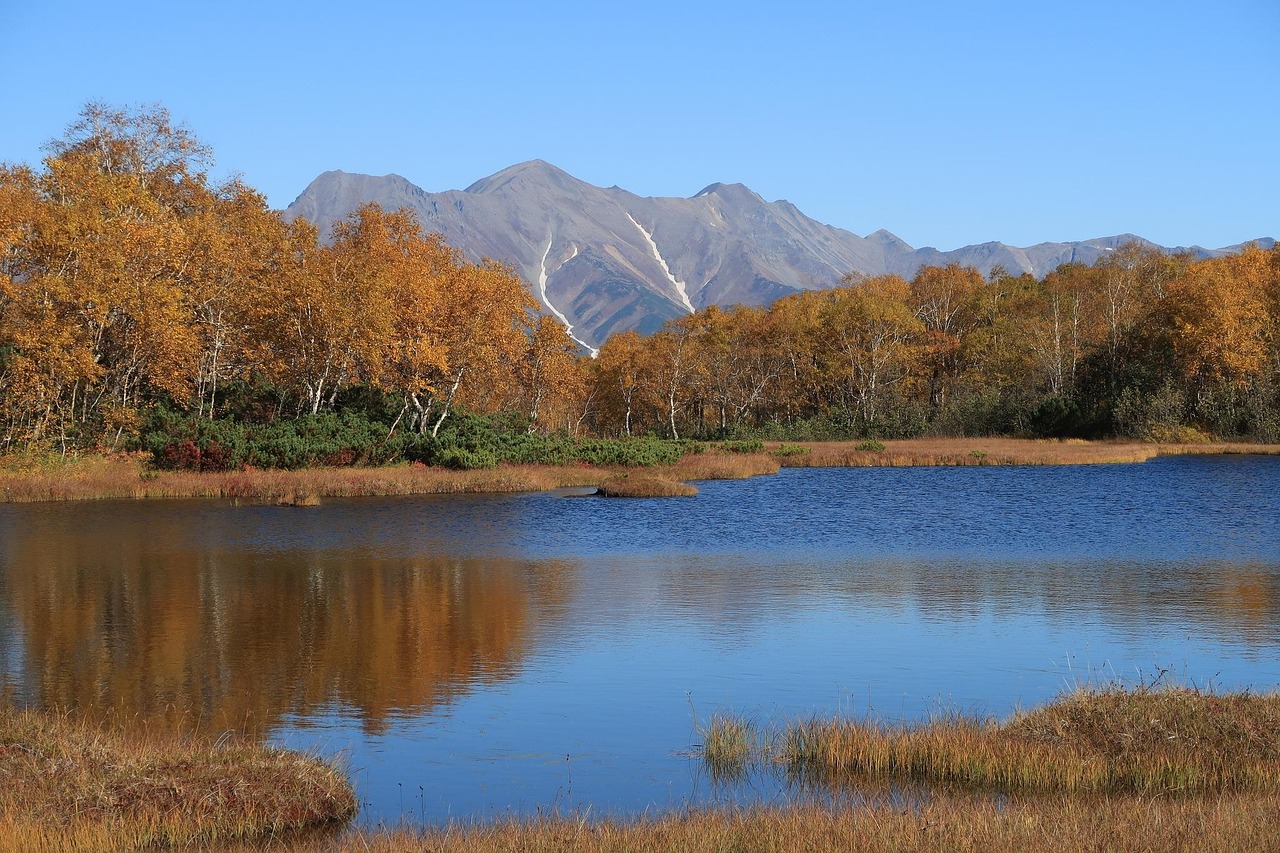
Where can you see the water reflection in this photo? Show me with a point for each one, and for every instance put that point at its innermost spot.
(122, 621)
(1226, 600)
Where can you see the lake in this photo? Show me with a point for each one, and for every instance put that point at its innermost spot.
(481, 656)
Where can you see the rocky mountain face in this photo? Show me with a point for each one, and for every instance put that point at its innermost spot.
(606, 260)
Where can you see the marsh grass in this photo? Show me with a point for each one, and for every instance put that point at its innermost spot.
(28, 479)
(728, 744)
(720, 465)
(948, 822)
(128, 477)
(1150, 740)
(68, 785)
(926, 452)
(636, 485)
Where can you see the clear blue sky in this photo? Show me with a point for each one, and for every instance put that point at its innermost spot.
(946, 123)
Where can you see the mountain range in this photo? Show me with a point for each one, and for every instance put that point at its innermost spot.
(607, 260)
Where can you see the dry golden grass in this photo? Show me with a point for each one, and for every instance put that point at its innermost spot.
(70, 786)
(644, 485)
(719, 465)
(948, 822)
(1151, 740)
(917, 452)
(129, 477)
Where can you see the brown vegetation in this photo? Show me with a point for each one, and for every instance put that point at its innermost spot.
(1154, 768)
(944, 823)
(71, 786)
(1151, 740)
(129, 477)
(644, 486)
(717, 465)
(30, 479)
(915, 452)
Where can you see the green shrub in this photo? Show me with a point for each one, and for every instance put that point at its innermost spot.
(351, 437)
(790, 450)
(466, 460)
(871, 446)
(634, 452)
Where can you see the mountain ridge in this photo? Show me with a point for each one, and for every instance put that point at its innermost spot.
(606, 260)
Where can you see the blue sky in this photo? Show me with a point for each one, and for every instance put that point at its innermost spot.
(945, 123)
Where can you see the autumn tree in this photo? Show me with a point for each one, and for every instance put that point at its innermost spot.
(672, 368)
(241, 248)
(1219, 326)
(874, 339)
(482, 318)
(98, 314)
(1129, 286)
(307, 329)
(619, 375)
(741, 358)
(943, 301)
(551, 376)
(1059, 325)
(796, 325)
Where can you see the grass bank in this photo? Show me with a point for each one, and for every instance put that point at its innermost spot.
(66, 785)
(1148, 740)
(946, 823)
(131, 477)
(917, 452)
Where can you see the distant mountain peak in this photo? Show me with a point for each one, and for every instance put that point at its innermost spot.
(607, 260)
(889, 239)
(530, 172)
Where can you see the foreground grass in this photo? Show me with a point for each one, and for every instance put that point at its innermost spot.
(130, 477)
(1181, 769)
(70, 786)
(946, 823)
(1149, 740)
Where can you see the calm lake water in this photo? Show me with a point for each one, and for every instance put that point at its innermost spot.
(474, 657)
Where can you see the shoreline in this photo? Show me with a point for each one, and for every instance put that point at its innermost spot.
(1146, 767)
(129, 477)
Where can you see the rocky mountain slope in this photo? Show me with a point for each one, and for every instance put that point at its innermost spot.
(606, 260)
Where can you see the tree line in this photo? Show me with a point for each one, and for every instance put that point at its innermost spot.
(1139, 344)
(132, 286)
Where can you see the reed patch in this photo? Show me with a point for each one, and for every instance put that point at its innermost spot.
(1152, 740)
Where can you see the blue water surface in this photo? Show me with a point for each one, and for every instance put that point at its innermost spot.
(479, 656)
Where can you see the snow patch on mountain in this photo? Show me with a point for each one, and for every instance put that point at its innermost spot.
(679, 285)
(546, 300)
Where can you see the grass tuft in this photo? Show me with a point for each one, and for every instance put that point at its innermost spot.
(1148, 740)
(728, 743)
(69, 785)
(644, 486)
